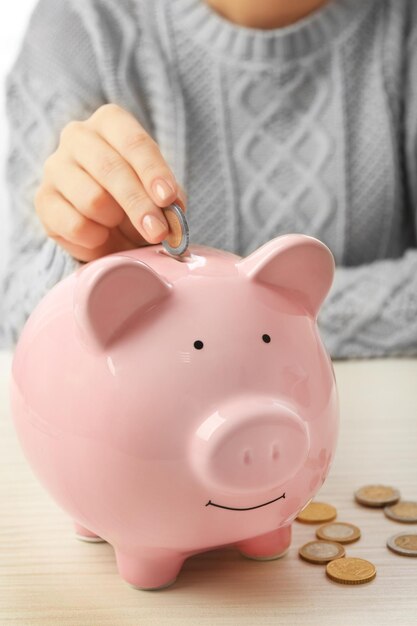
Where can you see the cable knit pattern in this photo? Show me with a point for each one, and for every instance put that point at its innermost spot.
(310, 129)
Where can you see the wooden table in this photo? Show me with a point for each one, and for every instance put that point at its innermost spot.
(48, 577)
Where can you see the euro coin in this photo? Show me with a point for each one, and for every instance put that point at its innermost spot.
(377, 495)
(402, 512)
(321, 551)
(316, 513)
(342, 532)
(403, 543)
(178, 238)
(351, 571)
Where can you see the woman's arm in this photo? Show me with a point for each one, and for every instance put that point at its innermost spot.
(371, 309)
(53, 80)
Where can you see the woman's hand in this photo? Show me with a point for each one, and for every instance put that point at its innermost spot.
(103, 187)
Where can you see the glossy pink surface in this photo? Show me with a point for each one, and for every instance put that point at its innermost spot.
(165, 447)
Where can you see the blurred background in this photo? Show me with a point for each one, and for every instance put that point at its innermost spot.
(13, 20)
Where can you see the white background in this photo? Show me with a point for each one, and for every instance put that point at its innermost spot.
(14, 16)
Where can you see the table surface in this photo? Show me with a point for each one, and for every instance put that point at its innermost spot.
(49, 577)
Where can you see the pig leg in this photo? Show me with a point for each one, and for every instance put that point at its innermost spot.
(152, 568)
(267, 547)
(86, 535)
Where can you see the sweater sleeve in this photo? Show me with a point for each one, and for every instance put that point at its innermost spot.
(53, 80)
(371, 309)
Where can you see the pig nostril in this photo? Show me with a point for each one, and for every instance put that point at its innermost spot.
(247, 457)
(275, 452)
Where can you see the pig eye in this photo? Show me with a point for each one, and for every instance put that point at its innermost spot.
(266, 338)
(198, 344)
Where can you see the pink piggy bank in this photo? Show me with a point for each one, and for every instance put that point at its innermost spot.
(176, 405)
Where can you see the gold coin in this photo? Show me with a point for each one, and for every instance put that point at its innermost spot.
(377, 495)
(316, 513)
(342, 532)
(403, 543)
(178, 237)
(351, 571)
(402, 512)
(321, 551)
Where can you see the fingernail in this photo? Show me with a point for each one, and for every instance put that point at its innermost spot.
(154, 226)
(162, 189)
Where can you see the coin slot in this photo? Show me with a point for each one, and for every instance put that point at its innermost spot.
(181, 259)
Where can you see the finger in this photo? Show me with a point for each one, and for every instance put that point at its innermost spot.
(128, 137)
(126, 227)
(59, 217)
(115, 243)
(83, 192)
(113, 173)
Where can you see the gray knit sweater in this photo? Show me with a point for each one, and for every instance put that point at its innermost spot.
(310, 128)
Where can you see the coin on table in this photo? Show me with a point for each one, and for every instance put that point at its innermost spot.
(403, 543)
(342, 532)
(402, 512)
(321, 551)
(351, 571)
(377, 495)
(178, 238)
(316, 513)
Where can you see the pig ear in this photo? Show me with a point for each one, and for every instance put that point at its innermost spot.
(109, 292)
(300, 264)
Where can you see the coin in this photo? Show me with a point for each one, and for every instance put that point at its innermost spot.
(342, 532)
(317, 512)
(178, 238)
(377, 495)
(321, 551)
(351, 571)
(402, 512)
(403, 543)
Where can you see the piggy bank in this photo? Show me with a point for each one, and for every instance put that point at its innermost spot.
(174, 405)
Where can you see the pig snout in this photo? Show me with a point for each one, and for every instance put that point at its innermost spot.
(247, 447)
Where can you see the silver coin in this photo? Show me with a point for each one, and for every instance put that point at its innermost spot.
(321, 551)
(341, 532)
(402, 511)
(377, 495)
(403, 543)
(178, 239)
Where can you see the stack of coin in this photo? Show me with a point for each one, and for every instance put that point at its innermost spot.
(328, 548)
(396, 509)
(321, 551)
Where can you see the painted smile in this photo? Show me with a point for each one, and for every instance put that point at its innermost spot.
(247, 508)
